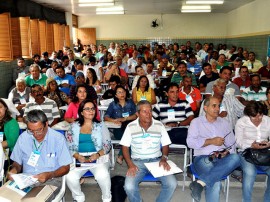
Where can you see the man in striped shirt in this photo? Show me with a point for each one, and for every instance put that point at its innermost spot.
(48, 106)
(175, 114)
(149, 142)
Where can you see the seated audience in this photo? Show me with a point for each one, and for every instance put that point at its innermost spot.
(243, 81)
(114, 70)
(35, 77)
(206, 135)
(191, 94)
(255, 91)
(208, 76)
(265, 71)
(145, 137)
(252, 130)
(45, 63)
(64, 80)
(182, 71)
(140, 72)
(96, 67)
(174, 113)
(20, 95)
(222, 62)
(51, 72)
(253, 64)
(143, 91)
(80, 95)
(30, 154)
(110, 93)
(121, 111)
(194, 66)
(20, 70)
(139, 62)
(87, 135)
(92, 80)
(48, 106)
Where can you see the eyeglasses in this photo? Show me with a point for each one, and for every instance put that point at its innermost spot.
(120, 92)
(88, 109)
(37, 132)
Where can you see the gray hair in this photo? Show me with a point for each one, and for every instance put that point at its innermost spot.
(218, 81)
(142, 102)
(33, 66)
(20, 80)
(35, 116)
(207, 100)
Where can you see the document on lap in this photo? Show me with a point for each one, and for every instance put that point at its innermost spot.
(158, 171)
(24, 180)
(101, 160)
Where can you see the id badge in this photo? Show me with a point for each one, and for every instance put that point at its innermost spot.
(125, 114)
(189, 99)
(33, 159)
(192, 69)
(1, 136)
(171, 114)
(222, 108)
(242, 87)
(143, 98)
(22, 100)
(147, 141)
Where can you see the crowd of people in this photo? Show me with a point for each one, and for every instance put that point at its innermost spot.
(207, 98)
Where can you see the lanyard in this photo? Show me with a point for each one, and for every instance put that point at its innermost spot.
(37, 148)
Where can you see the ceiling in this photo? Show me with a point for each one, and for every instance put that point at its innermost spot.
(139, 7)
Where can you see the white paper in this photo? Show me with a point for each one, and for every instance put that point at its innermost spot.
(13, 186)
(157, 171)
(102, 159)
(24, 180)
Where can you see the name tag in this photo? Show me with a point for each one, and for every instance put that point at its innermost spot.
(222, 108)
(189, 99)
(22, 100)
(147, 142)
(143, 98)
(249, 66)
(33, 159)
(65, 81)
(192, 69)
(242, 87)
(126, 114)
(171, 114)
(1, 136)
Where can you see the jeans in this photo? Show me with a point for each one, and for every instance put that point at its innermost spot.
(211, 172)
(249, 176)
(102, 176)
(168, 183)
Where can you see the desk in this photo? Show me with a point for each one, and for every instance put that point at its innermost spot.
(102, 109)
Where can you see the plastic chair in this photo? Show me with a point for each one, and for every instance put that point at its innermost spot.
(261, 172)
(61, 195)
(225, 178)
(2, 162)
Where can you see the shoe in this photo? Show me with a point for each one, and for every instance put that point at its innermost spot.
(196, 190)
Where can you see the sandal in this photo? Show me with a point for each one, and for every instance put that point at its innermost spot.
(237, 177)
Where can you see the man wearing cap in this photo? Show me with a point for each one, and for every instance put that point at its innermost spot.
(64, 80)
(139, 63)
(80, 79)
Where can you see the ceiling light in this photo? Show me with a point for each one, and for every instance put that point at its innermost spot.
(95, 4)
(110, 12)
(95, 1)
(196, 11)
(108, 9)
(206, 7)
(205, 2)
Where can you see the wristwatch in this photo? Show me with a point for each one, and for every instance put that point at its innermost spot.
(166, 157)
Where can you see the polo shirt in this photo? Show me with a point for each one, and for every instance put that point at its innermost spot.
(231, 89)
(177, 78)
(41, 80)
(67, 79)
(264, 72)
(195, 69)
(250, 94)
(242, 84)
(257, 64)
(193, 97)
(205, 80)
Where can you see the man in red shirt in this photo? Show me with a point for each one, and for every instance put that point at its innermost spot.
(243, 81)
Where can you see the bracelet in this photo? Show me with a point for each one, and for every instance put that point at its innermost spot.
(98, 154)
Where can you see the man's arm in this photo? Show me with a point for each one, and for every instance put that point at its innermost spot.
(43, 177)
(16, 168)
(163, 160)
(132, 168)
(55, 121)
(187, 121)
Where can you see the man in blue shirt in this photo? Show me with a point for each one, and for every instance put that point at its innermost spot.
(64, 80)
(41, 151)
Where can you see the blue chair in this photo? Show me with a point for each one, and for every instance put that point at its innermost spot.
(225, 178)
(261, 172)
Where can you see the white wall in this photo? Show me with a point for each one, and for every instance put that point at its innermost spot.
(69, 23)
(138, 26)
(250, 19)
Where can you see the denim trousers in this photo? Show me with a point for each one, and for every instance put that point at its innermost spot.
(102, 176)
(168, 183)
(212, 172)
(249, 176)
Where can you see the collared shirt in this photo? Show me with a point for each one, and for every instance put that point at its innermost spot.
(250, 94)
(195, 69)
(54, 152)
(145, 144)
(49, 107)
(115, 110)
(246, 132)
(253, 67)
(68, 79)
(264, 72)
(19, 72)
(232, 106)
(192, 98)
(231, 89)
(41, 80)
(182, 111)
(201, 129)
(242, 84)
(177, 78)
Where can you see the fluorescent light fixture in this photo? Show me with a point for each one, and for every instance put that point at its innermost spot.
(95, 4)
(206, 7)
(205, 2)
(108, 9)
(196, 11)
(110, 13)
(95, 1)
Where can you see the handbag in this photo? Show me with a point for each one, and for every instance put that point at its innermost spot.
(259, 157)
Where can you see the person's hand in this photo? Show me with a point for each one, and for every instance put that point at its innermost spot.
(132, 170)
(223, 114)
(172, 124)
(81, 159)
(12, 171)
(163, 162)
(260, 145)
(218, 141)
(93, 157)
(43, 177)
(19, 107)
(64, 85)
(117, 121)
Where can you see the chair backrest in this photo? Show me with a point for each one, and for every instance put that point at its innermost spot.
(2, 161)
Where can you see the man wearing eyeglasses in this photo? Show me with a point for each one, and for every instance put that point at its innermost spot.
(213, 142)
(41, 151)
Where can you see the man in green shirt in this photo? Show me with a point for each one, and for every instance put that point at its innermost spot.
(182, 71)
(35, 77)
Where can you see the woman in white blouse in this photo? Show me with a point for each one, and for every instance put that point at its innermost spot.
(253, 130)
